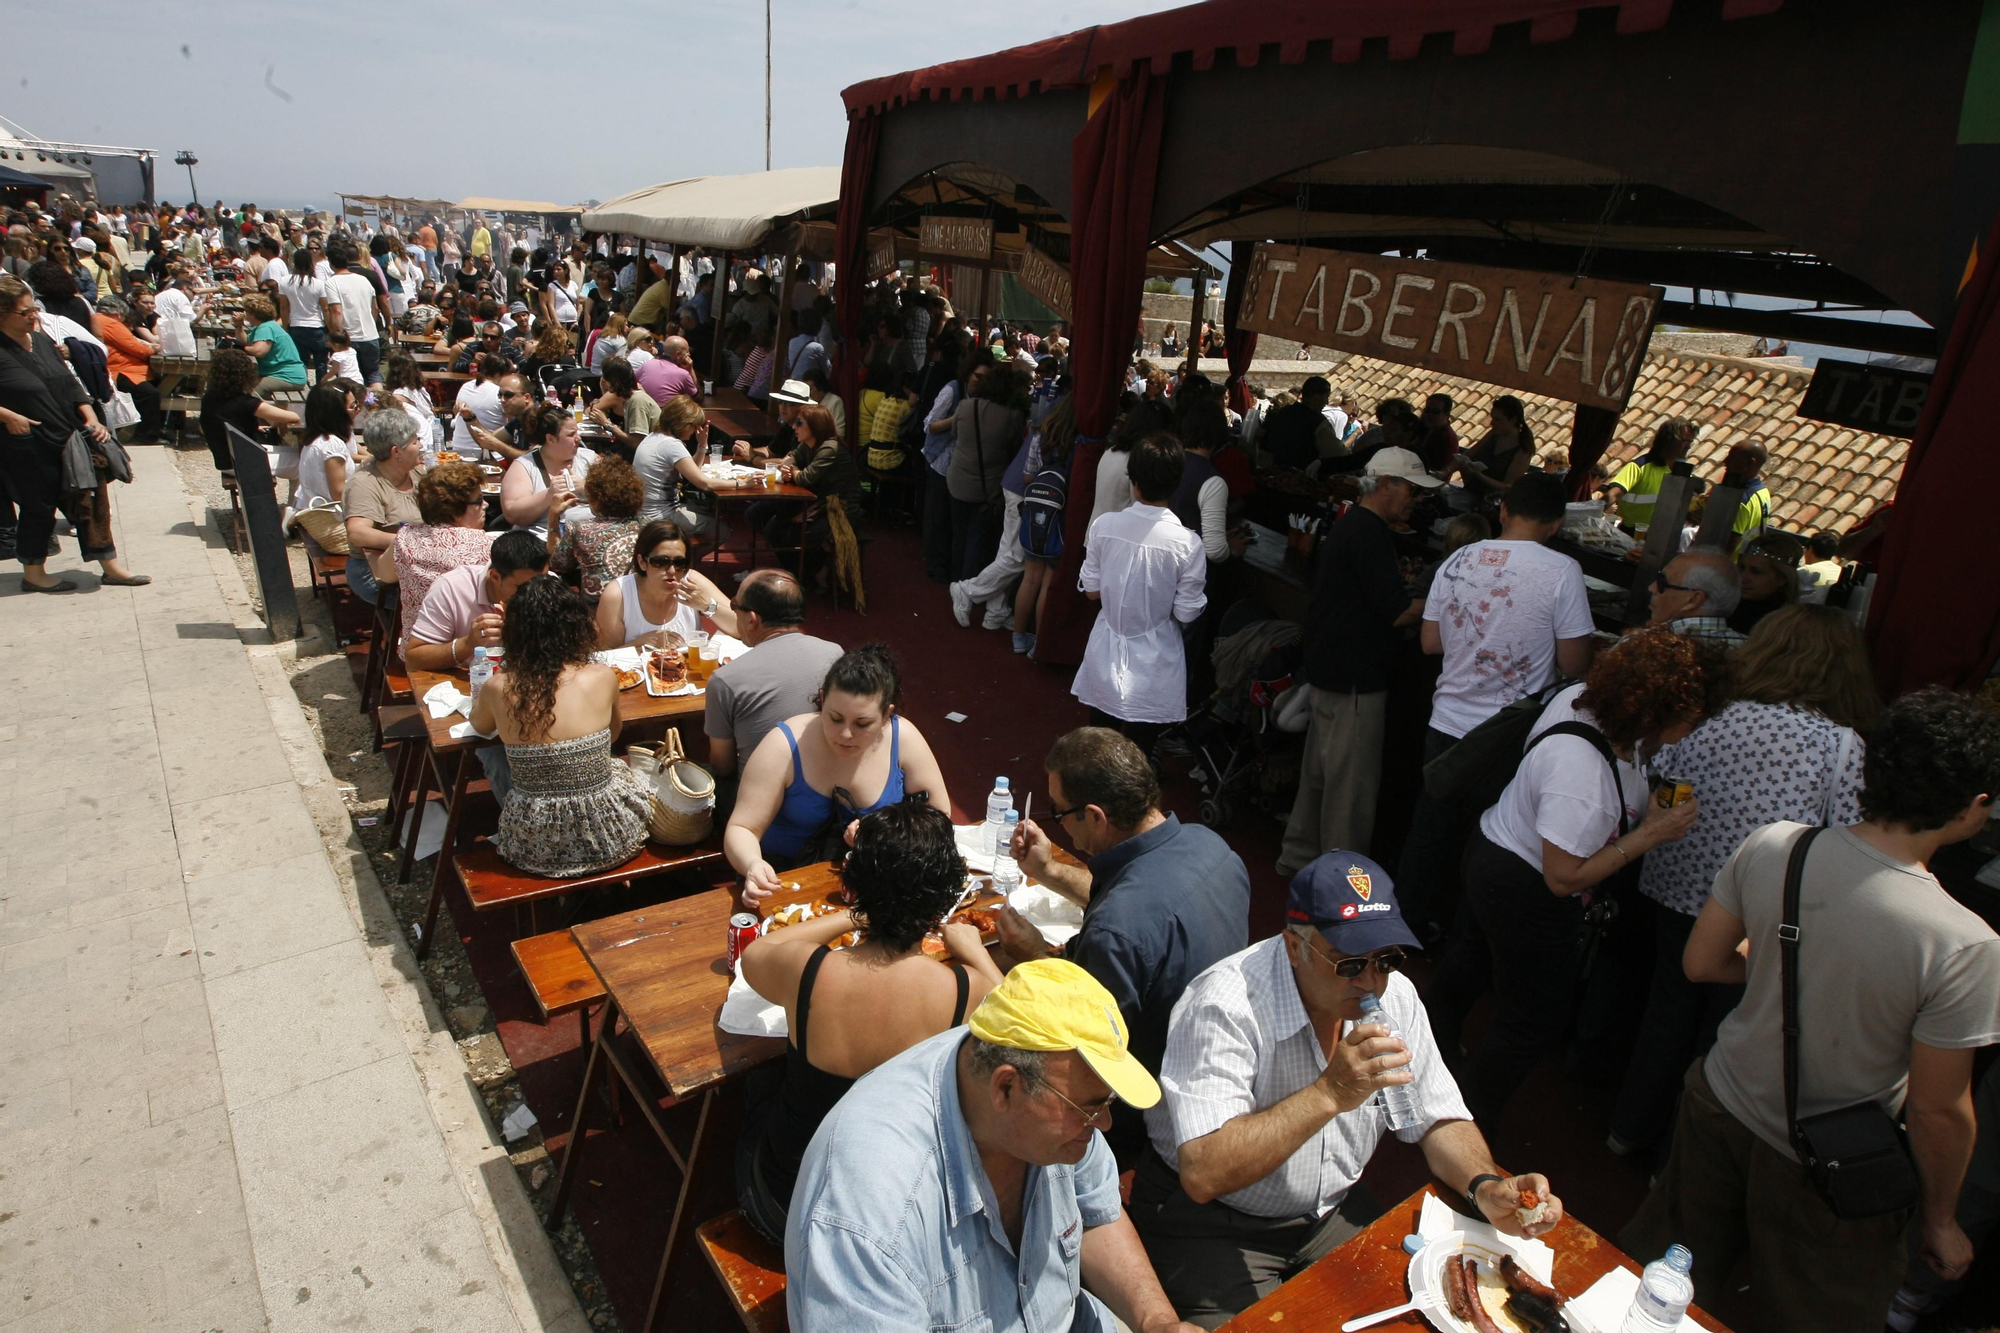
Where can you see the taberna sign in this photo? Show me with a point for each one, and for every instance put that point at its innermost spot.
(1886, 400)
(1577, 339)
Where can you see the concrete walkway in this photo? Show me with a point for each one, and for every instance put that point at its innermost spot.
(225, 1101)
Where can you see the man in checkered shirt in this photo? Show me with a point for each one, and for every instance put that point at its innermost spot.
(1268, 1117)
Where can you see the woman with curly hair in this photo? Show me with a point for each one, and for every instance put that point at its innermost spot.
(571, 807)
(230, 399)
(599, 548)
(873, 1001)
(1575, 814)
(551, 349)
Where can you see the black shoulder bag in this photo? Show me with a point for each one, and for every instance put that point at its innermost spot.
(1856, 1156)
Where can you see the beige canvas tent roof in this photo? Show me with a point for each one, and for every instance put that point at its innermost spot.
(719, 212)
(480, 203)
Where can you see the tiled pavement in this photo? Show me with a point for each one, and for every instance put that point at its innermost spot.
(209, 1115)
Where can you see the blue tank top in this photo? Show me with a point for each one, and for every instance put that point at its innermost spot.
(805, 811)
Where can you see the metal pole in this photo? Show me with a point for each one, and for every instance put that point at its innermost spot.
(767, 85)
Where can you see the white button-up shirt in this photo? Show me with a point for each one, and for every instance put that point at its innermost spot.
(1150, 571)
(1239, 1041)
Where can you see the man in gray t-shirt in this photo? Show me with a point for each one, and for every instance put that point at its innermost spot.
(1898, 986)
(753, 694)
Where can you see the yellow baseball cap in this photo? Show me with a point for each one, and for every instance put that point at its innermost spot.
(1051, 1004)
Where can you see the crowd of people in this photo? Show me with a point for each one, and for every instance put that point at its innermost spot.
(1597, 853)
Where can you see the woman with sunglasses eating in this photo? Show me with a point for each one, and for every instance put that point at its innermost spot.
(1280, 1066)
(663, 594)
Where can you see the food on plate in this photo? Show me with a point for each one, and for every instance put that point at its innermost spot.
(627, 678)
(666, 667)
(1533, 1208)
(980, 919)
(1500, 1299)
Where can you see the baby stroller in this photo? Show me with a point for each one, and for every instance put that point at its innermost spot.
(1239, 747)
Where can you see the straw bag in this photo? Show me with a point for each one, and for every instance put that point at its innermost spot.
(326, 524)
(683, 793)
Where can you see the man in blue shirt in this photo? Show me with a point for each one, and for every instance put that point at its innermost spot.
(1162, 900)
(965, 1180)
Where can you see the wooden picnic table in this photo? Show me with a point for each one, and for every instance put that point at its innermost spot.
(744, 497)
(665, 969)
(1371, 1272)
(452, 760)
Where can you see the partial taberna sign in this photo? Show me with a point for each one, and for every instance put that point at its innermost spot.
(1577, 339)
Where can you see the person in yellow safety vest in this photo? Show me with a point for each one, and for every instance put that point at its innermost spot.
(1636, 488)
(1744, 466)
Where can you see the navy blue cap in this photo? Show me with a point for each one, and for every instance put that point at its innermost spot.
(1352, 901)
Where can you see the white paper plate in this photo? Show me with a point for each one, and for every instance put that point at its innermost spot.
(1427, 1282)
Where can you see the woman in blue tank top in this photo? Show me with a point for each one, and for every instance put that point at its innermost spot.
(815, 774)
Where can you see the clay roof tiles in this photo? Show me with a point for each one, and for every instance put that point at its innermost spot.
(1820, 475)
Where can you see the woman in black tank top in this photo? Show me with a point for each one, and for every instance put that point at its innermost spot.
(904, 874)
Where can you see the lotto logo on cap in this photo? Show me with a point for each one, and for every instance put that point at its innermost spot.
(1352, 901)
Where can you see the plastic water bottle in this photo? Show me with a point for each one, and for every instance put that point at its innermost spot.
(1398, 1103)
(1665, 1291)
(1006, 871)
(998, 802)
(479, 672)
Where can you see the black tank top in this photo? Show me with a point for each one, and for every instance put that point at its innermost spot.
(810, 1092)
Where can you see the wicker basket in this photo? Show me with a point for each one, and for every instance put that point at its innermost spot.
(683, 796)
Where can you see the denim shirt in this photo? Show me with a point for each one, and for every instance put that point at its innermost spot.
(894, 1224)
(938, 446)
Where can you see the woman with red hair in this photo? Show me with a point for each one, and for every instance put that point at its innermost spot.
(1575, 814)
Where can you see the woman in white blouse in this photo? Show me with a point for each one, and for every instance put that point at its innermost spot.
(1787, 747)
(1576, 813)
(556, 461)
(300, 295)
(559, 297)
(329, 450)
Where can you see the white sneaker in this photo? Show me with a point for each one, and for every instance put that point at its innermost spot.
(961, 605)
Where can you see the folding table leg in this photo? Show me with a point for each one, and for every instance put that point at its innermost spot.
(452, 811)
(694, 1159)
(580, 1122)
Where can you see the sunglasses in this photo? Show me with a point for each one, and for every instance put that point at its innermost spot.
(1660, 584)
(679, 562)
(1349, 968)
(505, 394)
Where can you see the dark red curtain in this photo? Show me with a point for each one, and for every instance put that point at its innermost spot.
(1241, 344)
(1935, 616)
(1114, 166)
(850, 242)
(1590, 433)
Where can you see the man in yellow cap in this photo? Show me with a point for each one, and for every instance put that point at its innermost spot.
(966, 1179)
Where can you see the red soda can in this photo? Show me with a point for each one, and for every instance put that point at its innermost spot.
(742, 930)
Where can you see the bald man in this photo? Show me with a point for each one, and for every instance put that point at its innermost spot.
(749, 696)
(1695, 593)
(671, 373)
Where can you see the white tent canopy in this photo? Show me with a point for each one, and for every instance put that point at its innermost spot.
(718, 212)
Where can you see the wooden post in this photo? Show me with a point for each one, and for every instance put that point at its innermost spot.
(1192, 361)
(781, 331)
(718, 304)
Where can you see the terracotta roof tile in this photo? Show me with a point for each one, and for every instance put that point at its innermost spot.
(1820, 475)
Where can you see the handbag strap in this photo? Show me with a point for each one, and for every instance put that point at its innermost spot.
(1788, 954)
(1596, 738)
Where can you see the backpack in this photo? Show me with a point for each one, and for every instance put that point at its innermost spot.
(1476, 770)
(1043, 501)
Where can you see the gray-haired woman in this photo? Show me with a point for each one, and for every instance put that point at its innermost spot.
(381, 496)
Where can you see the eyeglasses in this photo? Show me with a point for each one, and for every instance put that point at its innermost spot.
(1090, 1118)
(679, 562)
(1660, 584)
(1058, 816)
(1389, 960)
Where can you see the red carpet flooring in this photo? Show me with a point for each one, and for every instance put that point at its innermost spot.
(1014, 709)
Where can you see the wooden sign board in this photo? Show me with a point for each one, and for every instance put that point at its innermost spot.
(1576, 339)
(882, 259)
(957, 238)
(1047, 280)
(1884, 399)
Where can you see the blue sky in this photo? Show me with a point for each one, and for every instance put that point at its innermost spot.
(444, 98)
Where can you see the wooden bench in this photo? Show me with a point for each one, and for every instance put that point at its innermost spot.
(562, 979)
(750, 1268)
(490, 882)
